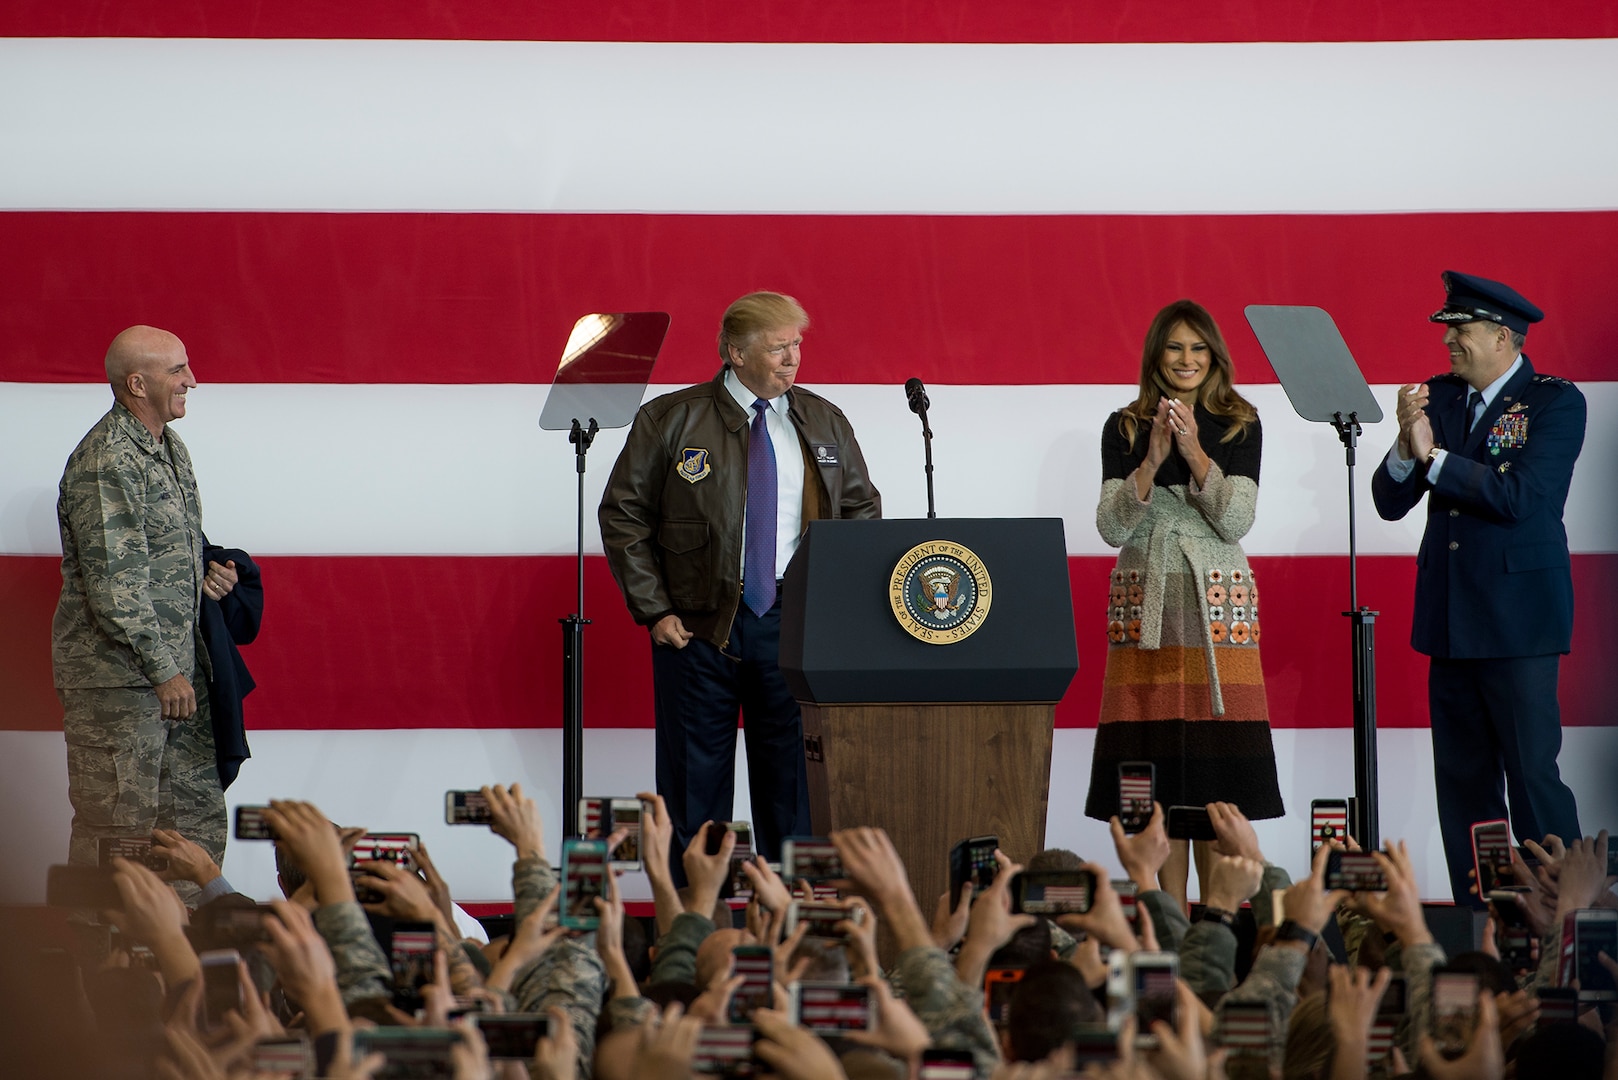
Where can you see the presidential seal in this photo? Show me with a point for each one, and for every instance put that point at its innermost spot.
(940, 592)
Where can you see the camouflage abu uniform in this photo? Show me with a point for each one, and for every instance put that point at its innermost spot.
(132, 571)
(569, 976)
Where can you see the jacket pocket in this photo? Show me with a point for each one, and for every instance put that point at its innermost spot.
(688, 570)
(1551, 556)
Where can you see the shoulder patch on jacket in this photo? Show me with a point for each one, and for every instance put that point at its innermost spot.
(693, 464)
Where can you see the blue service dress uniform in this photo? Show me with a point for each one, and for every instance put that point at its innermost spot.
(1494, 603)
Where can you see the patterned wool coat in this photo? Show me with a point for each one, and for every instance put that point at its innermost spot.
(1183, 687)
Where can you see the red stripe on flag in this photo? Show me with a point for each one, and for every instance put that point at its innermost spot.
(1246, 1033)
(465, 642)
(834, 21)
(1066, 894)
(490, 298)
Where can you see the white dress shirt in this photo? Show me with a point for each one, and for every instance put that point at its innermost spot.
(788, 471)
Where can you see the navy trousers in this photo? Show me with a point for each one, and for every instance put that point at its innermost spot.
(698, 692)
(1496, 733)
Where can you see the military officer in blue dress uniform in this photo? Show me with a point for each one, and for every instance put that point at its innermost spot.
(1491, 443)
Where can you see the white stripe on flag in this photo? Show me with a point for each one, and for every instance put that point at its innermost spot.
(366, 482)
(501, 125)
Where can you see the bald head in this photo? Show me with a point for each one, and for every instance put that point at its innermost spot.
(713, 955)
(139, 348)
(150, 375)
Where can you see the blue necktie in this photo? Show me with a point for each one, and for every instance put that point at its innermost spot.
(1473, 400)
(758, 561)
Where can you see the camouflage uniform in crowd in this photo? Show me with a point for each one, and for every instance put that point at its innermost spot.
(1208, 949)
(951, 1011)
(132, 572)
(1418, 963)
(363, 970)
(676, 959)
(1273, 983)
(570, 976)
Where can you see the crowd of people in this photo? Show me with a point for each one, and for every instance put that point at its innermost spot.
(318, 988)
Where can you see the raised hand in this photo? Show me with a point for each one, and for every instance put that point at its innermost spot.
(1105, 921)
(1309, 903)
(1483, 1059)
(313, 843)
(516, 818)
(1355, 995)
(1144, 853)
(667, 1045)
(1235, 833)
(706, 873)
(404, 895)
(154, 915)
(1582, 875)
(187, 860)
(557, 1055)
(1411, 404)
(305, 966)
(991, 924)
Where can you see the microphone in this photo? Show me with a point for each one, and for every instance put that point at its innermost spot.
(917, 393)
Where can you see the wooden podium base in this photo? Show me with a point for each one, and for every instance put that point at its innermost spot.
(931, 775)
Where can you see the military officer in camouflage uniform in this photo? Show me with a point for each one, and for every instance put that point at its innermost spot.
(124, 641)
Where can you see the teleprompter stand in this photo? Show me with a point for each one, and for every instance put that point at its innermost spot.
(599, 384)
(1325, 386)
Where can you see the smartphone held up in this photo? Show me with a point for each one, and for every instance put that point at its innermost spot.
(584, 877)
(1137, 781)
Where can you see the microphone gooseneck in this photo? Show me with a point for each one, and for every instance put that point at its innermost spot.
(917, 395)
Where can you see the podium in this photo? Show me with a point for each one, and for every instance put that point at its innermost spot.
(940, 736)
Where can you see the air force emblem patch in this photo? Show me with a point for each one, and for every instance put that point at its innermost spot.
(694, 464)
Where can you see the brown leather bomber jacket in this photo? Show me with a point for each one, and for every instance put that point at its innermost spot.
(671, 517)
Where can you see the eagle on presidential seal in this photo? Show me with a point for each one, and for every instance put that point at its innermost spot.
(937, 595)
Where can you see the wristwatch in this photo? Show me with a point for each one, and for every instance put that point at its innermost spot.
(1219, 915)
(1291, 931)
(1432, 454)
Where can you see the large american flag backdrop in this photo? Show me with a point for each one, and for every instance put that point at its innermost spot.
(373, 225)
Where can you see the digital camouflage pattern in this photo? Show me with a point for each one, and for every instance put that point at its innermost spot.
(624, 1013)
(676, 959)
(532, 880)
(1418, 962)
(569, 976)
(1208, 959)
(1168, 918)
(951, 1011)
(131, 524)
(129, 771)
(132, 570)
(1273, 983)
(362, 967)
